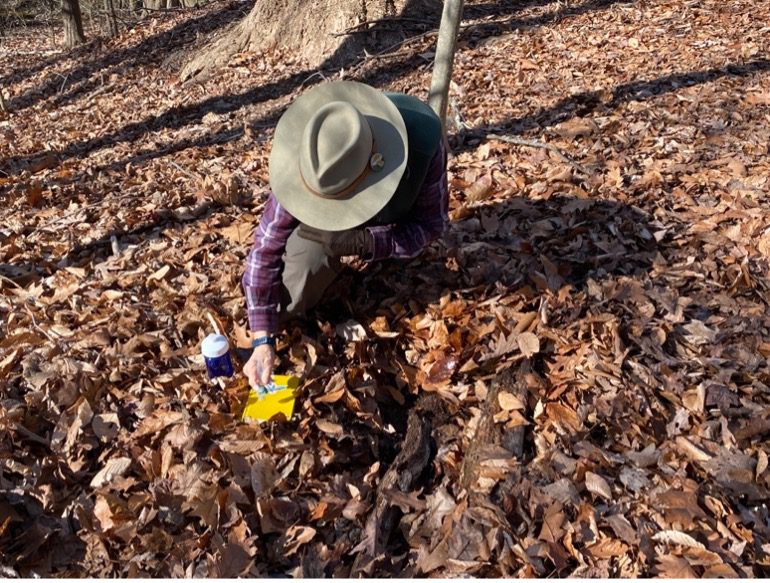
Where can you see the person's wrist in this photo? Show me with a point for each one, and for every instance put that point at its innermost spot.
(366, 243)
(263, 340)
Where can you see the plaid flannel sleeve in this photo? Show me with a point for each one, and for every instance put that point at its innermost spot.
(430, 218)
(264, 266)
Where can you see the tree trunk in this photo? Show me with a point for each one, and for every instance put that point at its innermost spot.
(112, 20)
(3, 104)
(318, 32)
(445, 57)
(73, 23)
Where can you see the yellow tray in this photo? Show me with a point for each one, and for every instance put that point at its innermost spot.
(264, 408)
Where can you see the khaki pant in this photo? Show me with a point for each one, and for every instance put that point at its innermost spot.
(307, 273)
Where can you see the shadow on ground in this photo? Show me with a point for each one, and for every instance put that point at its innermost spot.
(181, 116)
(589, 102)
(89, 73)
(518, 243)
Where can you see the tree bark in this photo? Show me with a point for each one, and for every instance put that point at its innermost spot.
(490, 434)
(313, 31)
(445, 57)
(112, 20)
(73, 23)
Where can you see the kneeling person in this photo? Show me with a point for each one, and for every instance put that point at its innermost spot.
(353, 172)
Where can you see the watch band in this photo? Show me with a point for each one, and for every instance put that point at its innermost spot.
(262, 340)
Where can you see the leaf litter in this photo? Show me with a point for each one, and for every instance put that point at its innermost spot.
(573, 381)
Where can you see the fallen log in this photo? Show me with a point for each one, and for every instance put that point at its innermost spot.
(490, 435)
(401, 477)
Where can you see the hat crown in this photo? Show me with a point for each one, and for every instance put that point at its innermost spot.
(335, 149)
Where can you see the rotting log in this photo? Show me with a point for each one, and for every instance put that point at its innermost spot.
(489, 434)
(402, 476)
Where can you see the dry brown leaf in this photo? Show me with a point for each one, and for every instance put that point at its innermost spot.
(263, 474)
(9, 362)
(330, 428)
(529, 344)
(114, 467)
(481, 189)
(335, 389)
(510, 402)
(762, 462)
(576, 128)
(675, 537)
(673, 567)
(598, 485)
(297, 536)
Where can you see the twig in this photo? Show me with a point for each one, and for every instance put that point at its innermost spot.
(29, 435)
(316, 74)
(385, 54)
(9, 280)
(61, 89)
(82, 208)
(213, 323)
(535, 144)
(185, 171)
(35, 324)
(164, 9)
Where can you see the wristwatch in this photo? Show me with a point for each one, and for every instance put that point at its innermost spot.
(262, 340)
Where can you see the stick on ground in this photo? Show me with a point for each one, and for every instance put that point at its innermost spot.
(535, 144)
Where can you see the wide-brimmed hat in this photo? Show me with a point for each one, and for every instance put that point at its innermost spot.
(338, 155)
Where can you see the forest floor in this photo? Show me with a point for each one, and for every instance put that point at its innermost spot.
(578, 371)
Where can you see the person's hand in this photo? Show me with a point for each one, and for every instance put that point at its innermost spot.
(340, 243)
(259, 367)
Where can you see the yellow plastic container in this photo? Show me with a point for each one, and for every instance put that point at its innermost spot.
(265, 407)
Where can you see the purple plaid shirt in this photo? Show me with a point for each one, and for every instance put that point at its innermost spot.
(264, 265)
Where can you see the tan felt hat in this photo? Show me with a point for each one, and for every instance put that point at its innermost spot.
(338, 155)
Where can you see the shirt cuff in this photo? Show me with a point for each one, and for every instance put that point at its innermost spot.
(264, 319)
(383, 242)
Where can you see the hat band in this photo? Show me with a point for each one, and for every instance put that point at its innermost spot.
(350, 187)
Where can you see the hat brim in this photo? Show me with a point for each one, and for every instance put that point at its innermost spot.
(374, 191)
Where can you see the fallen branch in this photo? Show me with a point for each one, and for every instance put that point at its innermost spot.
(535, 144)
